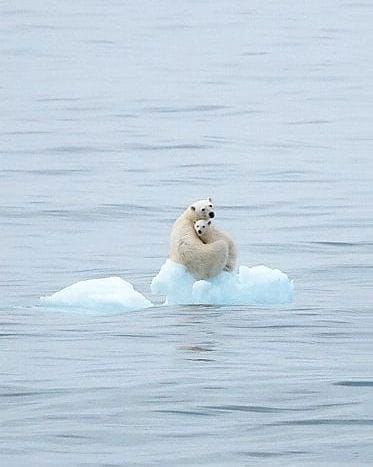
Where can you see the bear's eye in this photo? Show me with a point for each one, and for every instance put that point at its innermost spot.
(210, 205)
(203, 210)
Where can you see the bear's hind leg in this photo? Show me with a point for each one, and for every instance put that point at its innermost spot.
(215, 258)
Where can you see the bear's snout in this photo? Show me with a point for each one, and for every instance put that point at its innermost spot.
(211, 214)
(200, 231)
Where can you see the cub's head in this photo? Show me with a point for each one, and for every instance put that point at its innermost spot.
(203, 209)
(201, 227)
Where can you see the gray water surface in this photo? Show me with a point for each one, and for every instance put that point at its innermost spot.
(114, 116)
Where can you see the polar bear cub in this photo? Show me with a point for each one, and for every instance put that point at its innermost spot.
(208, 234)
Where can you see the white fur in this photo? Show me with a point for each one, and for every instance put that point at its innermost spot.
(202, 260)
(209, 234)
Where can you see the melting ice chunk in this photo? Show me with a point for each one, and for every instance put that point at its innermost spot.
(256, 285)
(108, 294)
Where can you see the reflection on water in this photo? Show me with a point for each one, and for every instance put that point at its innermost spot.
(115, 116)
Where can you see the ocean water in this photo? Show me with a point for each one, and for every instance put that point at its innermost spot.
(114, 116)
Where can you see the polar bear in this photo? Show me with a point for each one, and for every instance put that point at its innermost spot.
(208, 234)
(202, 260)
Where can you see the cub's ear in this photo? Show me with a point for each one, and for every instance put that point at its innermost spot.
(209, 199)
(209, 222)
(193, 208)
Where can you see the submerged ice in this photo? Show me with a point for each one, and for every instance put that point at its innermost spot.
(255, 285)
(108, 294)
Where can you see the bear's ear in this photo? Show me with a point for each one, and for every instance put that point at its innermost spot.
(193, 208)
(209, 199)
(209, 222)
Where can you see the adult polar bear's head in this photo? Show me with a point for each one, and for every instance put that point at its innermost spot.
(202, 209)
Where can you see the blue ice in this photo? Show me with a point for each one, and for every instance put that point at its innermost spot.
(255, 285)
(107, 294)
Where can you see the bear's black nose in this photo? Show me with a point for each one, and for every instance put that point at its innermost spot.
(211, 214)
(199, 232)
